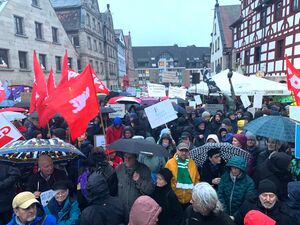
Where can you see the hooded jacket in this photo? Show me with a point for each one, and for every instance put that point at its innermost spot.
(293, 201)
(130, 129)
(103, 209)
(197, 140)
(232, 190)
(144, 211)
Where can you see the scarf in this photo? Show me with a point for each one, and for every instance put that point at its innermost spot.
(184, 180)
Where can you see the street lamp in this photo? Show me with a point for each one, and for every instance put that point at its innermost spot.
(230, 74)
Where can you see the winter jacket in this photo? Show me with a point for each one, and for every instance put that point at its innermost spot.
(279, 212)
(37, 183)
(195, 218)
(232, 190)
(8, 179)
(197, 140)
(128, 189)
(293, 201)
(208, 172)
(113, 133)
(254, 217)
(103, 209)
(275, 168)
(171, 148)
(184, 195)
(41, 216)
(262, 156)
(68, 215)
(172, 213)
(144, 211)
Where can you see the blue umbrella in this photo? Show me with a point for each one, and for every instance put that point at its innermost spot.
(276, 127)
(6, 103)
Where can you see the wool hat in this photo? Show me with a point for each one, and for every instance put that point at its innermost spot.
(62, 185)
(250, 136)
(205, 114)
(227, 122)
(133, 115)
(266, 185)
(227, 138)
(213, 151)
(117, 121)
(23, 200)
(167, 175)
(242, 139)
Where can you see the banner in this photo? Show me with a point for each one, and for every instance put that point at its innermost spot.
(213, 108)
(160, 113)
(257, 102)
(293, 80)
(156, 90)
(119, 111)
(8, 132)
(177, 92)
(297, 141)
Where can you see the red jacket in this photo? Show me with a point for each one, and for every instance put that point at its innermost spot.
(113, 133)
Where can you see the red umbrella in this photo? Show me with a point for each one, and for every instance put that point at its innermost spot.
(124, 100)
(12, 109)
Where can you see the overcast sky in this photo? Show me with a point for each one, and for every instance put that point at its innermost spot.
(165, 22)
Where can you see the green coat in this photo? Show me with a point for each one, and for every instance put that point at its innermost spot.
(232, 193)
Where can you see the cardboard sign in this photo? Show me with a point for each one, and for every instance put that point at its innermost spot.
(198, 99)
(177, 92)
(160, 113)
(297, 141)
(120, 111)
(192, 104)
(257, 102)
(213, 108)
(156, 90)
(99, 141)
(295, 113)
(245, 100)
(8, 132)
(46, 196)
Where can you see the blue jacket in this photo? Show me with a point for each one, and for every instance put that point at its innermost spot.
(69, 215)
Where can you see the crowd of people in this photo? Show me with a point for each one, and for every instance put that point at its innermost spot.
(115, 188)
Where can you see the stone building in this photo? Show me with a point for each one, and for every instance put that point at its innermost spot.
(26, 26)
(121, 50)
(130, 71)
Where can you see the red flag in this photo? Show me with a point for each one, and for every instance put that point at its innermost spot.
(51, 82)
(99, 86)
(79, 104)
(2, 92)
(293, 80)
(39, 88)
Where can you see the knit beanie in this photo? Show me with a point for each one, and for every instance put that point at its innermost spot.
(250, 136)
(205, 114)
(266, 185)
(117, 121)
(227, 122)
(167, 175)
(242, 139)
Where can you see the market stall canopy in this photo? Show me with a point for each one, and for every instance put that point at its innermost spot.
(243, 85)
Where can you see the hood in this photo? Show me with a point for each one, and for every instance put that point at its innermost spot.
(238, 162)
(198, 121)
(97, 188)
(280, 162)
(128, 128)
(255, 217)
(294, 191)
(214, 137)
(146, 206)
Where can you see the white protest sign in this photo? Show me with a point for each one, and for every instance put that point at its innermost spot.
(120, 111)
(8, 132)
(156, 90)
(131, 91)
(245, 100)
(295, 113)
(257, 102)
(177, 92)
(198, 99)
(46, 196)
(99, 141)
(160, 113)
(192, 104)
(251, 110)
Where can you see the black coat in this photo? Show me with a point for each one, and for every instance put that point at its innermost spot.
(294, 201)
(194, 218)
(8, 179)
(279, 212)
(207, 173)
(103, 209)
(172, 213)
(37, 183)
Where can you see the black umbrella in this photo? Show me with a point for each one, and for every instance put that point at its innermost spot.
(138, 146)
(179, 109)
(106, 109)
(22, 104)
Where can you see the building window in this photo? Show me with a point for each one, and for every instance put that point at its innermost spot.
(279, 51)
(88, 20)
(100, 47)
(257, 53)
(39, 31)
(35, 3)
(278, 10)
(249, 26)
(75, 41)
(89, 43)
(42, 59)
(54, 34)
(79, 64)
(97, 66)
(263, 18)
(4, 58)
(99, 27)
(19, 23)
(94, 24)
(247, 57)
(58, 63)
(101, 68)
(238, 32)
(294, 5)
(23, 60)
(95, 46)
(91, 63)
(70, 62)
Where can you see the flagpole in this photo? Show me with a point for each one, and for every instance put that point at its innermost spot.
(102, 124)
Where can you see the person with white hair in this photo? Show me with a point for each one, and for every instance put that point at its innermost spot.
(206, 209)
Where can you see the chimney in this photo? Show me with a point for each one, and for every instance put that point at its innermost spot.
(107, 6)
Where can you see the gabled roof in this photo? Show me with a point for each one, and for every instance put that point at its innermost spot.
(227, 15)
(65, 3)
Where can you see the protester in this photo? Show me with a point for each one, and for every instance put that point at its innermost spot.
(113, 159)
(216, 123)
(206, 209)
(253, 151)
(272, 146)
(134, 180)
(8, 179)
(46, 177)
(186, 137)
(293, 201)
(233, 122)
(114, 132)
(255, 217)
(185, 174)
(63, 205)
(166, 141)
(221, 133)
(212, 138)
(240, 141)
(83, 144)
(27, 210)
(266, 201)
(145, 211)
(213, 168)
(137, 126)
(235, 185)
(103, 209)
(200, 132)
(128, 132)
(59, 133)
(163, 194)
(226, 123)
